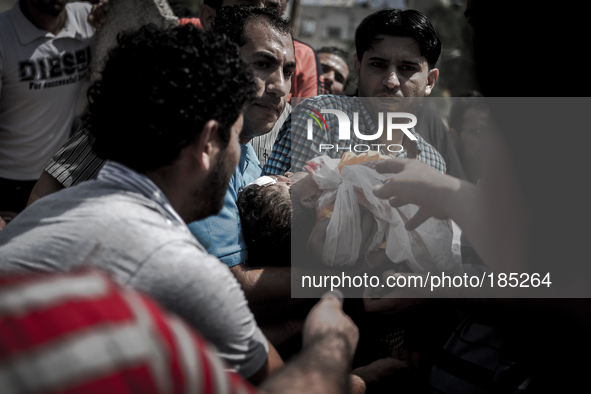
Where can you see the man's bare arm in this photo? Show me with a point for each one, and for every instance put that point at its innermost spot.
(273, 364)
(46, 185)
(268, 290)
(441, 196)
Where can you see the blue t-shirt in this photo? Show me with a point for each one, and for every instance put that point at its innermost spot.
(222, 235)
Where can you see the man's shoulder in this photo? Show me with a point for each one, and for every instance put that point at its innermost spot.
(429, 154)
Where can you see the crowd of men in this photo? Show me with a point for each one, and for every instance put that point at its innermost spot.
(138, 203)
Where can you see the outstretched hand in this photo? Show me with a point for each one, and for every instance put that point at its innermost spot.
(414, 182)
(327, 319)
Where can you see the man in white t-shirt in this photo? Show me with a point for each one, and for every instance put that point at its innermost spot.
(44, 59)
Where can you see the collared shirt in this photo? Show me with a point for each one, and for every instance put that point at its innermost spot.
(263, 144)
(41, 76)
(126, 178)
(222, 235)
(292, 149)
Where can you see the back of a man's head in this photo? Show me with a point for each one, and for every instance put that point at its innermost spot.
(233, 21)
(159, 88)
(273, 5)
(393, 22)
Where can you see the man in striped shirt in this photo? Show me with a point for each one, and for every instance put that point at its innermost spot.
(82, 333)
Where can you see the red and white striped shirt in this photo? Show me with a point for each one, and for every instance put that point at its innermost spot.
(82, 333)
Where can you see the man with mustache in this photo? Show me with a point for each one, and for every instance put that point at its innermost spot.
(266, 45)
(394, 69)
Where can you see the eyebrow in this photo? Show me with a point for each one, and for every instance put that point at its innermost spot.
(272, 58)
(405, 61)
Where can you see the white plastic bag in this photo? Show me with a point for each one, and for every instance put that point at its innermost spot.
(428, 248)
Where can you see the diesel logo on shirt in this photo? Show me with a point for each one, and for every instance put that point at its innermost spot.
(54, 66)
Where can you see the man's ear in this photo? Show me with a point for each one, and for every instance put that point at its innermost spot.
(205, 145)
(431, 79)
(357, 66)
(206, 16)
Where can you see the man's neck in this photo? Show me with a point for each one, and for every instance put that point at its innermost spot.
(245, 140)
(52, 24)
(174, 190)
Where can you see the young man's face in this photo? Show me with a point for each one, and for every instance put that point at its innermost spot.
(392, 69)
(270, 55)
(335, 71)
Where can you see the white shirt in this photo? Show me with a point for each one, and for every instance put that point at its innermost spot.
(41, 75)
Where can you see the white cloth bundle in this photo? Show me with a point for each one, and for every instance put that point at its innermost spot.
(426, 249)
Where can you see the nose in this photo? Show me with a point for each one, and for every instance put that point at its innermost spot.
(278, 84)
(329, 79)
(391, 79)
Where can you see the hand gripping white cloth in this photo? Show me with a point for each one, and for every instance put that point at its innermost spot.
(425, 249)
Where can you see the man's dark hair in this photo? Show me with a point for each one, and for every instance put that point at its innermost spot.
(463, 103)
(181, 9)
(393, 22)
(215, 4)
(232, 21)
(335, 51)
(158, 89)
(265, 217)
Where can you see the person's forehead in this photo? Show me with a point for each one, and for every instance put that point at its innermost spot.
(262, 36)
(333, 61)
(395, 48)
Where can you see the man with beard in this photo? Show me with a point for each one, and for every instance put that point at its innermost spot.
(395, 58)
(44, 57)
(266, 45)
(170, 135)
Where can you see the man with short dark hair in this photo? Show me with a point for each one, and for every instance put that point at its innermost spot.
(335, 69)
(394, 69)
(170, 135)
(266, 46)
(307, 79)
